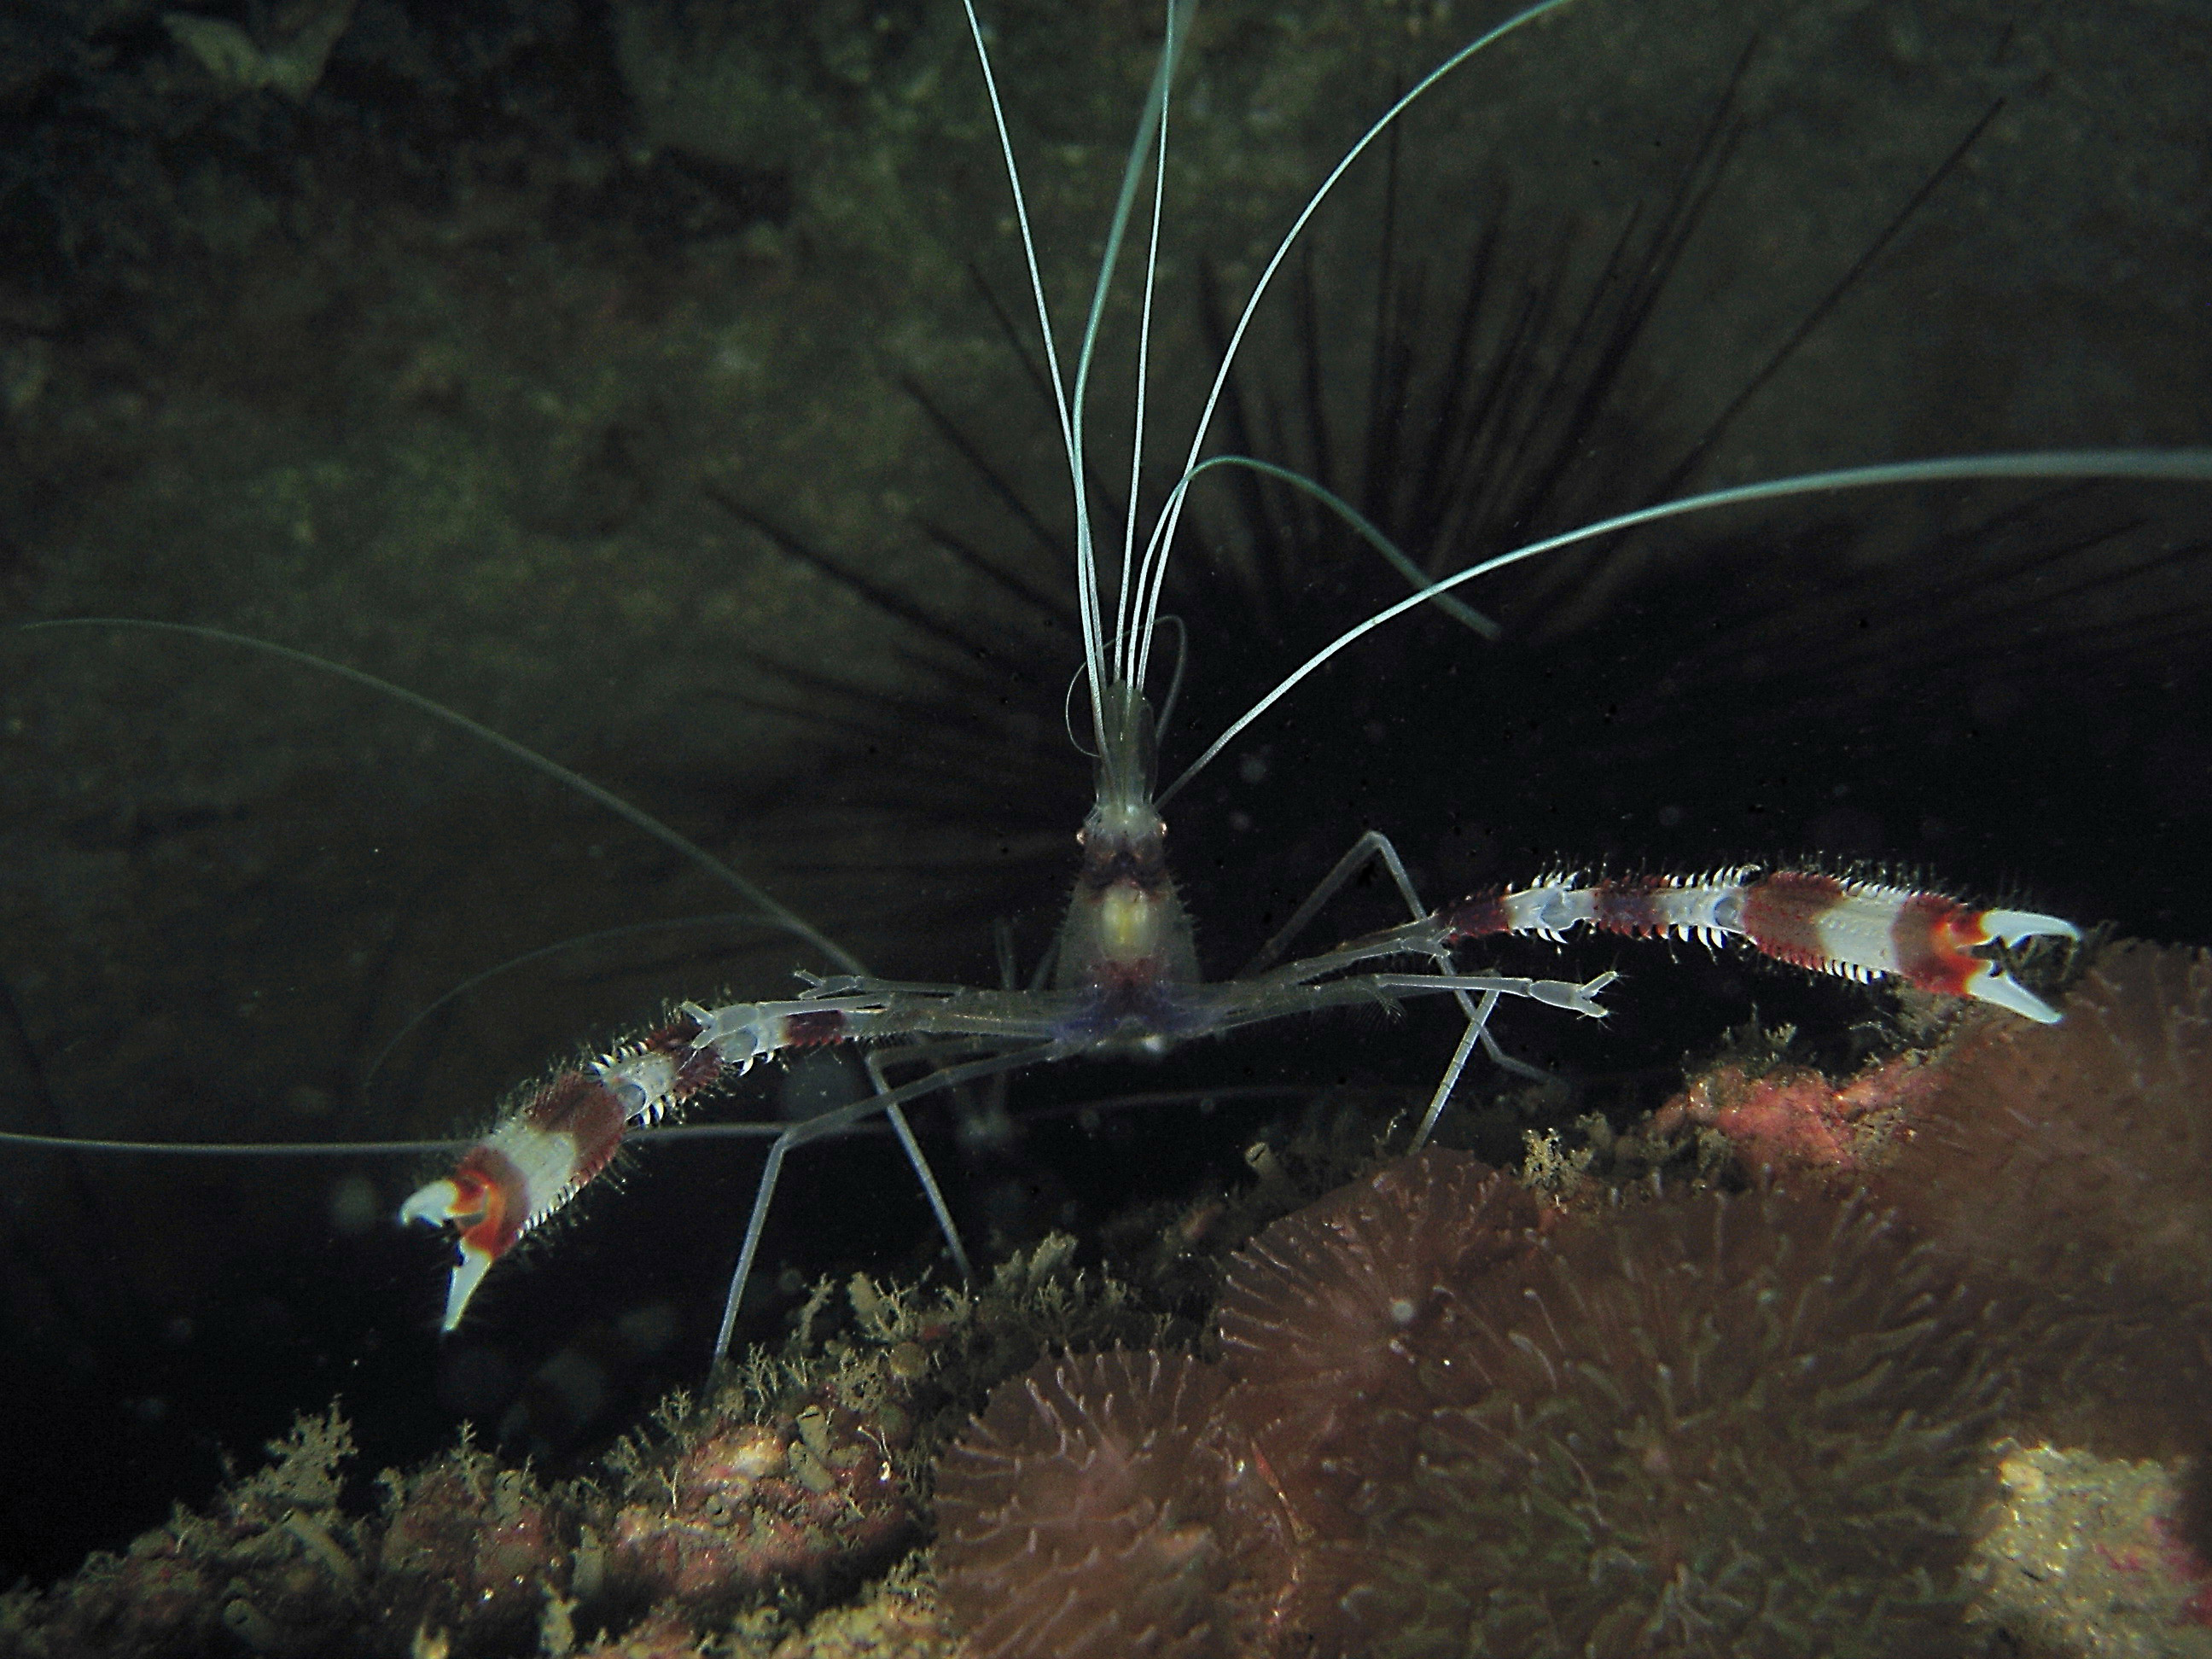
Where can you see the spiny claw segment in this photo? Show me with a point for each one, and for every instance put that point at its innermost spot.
(479, 1202)
(559, 1137)
(1825, 924)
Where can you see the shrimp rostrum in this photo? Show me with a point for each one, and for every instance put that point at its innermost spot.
(1124, 977)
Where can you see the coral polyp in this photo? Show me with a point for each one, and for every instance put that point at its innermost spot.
(1712, 1425)
(1692, 1424)
(2067, 1166)
(1081, 1514)
(1326, 1311)
(2081, 1149)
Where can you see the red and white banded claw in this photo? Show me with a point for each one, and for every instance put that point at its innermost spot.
(1824, 924)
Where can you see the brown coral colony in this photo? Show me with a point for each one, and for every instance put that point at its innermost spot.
(1085, 1506)
(1657, 1420)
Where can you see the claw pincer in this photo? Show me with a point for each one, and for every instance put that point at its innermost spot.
(567, 1132)
(1867, 932)
(555, 1140)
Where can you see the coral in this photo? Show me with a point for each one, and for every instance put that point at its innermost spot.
(899, 1618)
(799, 1478)
(2069, 1167)
(731, 1523)
(1445, 1424)
(1664, 1420)
(1704, 1426)
(2050, 1152)
(1328, 1309)
(1080, 1515)
(2086, 1548)
(2085, 1145)
(2072, 1163)
(1449, 1413)
(663, 1634)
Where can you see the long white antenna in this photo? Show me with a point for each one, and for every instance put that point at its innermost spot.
(770, 909)
(1148, 126)
(1152, 572)
(1070, 405)
(1086, 585)
(1123, 589)
(2195, 465)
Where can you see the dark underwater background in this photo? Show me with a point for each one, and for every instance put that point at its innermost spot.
(628, 378)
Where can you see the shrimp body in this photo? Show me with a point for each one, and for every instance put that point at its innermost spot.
(1128, 985)
(1125, 979)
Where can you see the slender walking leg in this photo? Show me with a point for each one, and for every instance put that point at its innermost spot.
(829, 1123)
(921, 1170)
(1375, 846)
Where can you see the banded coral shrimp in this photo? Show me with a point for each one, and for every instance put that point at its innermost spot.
(252, 890)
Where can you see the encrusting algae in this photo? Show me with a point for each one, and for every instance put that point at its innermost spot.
(744, 1518)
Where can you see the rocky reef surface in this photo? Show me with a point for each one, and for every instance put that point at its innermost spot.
(1915, 1362)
